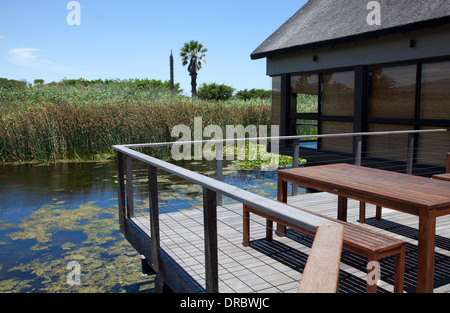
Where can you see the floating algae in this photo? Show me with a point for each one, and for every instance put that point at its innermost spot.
(61, 235)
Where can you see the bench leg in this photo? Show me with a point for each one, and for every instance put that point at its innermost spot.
(281, 230)
(372, 274)
(362, 212)
(400, 270)
(269, 230)
(246, 228)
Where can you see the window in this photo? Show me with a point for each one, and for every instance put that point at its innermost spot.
(305, 94)
(342, 144)
(392, 92)
(389, 147)
(435, 91)
(307, 127)
(276, 100)
(338, 94)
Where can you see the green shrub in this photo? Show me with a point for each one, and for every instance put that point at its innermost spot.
(253, 94)
(11, 84)
(214, 91)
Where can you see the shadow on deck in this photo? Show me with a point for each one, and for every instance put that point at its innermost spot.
(349, 283)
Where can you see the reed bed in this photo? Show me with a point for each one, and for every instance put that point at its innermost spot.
(50, 123)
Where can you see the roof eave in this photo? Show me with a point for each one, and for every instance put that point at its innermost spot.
(363, 36)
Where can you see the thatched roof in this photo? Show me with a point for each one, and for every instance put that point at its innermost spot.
(321, 23)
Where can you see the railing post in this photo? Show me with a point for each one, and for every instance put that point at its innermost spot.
(358, 151)
(129, 186)
(121, 191)
(210, 227)
(410, 157)
(154, 216)
(295, 158)
(219, 169)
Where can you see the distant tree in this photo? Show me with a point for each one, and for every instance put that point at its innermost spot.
(253, 93)
(12, 84)
(214, 91)
(193, 53)
(38, 82)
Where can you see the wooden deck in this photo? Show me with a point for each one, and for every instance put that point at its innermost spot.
(277, 266)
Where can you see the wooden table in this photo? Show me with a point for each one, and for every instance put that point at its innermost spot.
(424, 197)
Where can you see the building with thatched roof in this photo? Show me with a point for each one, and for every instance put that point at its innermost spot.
(340, 66)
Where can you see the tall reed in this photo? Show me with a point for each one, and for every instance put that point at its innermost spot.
(82, 123)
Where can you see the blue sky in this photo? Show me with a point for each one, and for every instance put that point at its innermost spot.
(133, 39)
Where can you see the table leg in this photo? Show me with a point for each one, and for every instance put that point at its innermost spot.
(362, 212)
(282, 190)
(342, 208)
(378, 212)
(282, 197)
(425, 262)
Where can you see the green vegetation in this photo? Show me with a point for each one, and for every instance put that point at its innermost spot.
(81, 120)
(215, 91)
(253, 93)
(256, 157)
(11, 84)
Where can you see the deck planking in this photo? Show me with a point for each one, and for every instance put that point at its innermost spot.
(268, 267)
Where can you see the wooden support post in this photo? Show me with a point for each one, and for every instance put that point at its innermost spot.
(154, 216)
(129, 187)
(210, 227)
(295, 157)
(121, 191)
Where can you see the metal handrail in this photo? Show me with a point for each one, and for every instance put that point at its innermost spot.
(299, 137)
(269, 206)
(213, 187)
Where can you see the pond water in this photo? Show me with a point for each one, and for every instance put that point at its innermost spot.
(53, 215)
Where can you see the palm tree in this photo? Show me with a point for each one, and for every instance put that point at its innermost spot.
(194, 54)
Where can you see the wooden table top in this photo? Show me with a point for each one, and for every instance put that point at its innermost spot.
(362, 183)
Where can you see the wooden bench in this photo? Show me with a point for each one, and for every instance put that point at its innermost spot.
(446, 175)
(359, 240)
